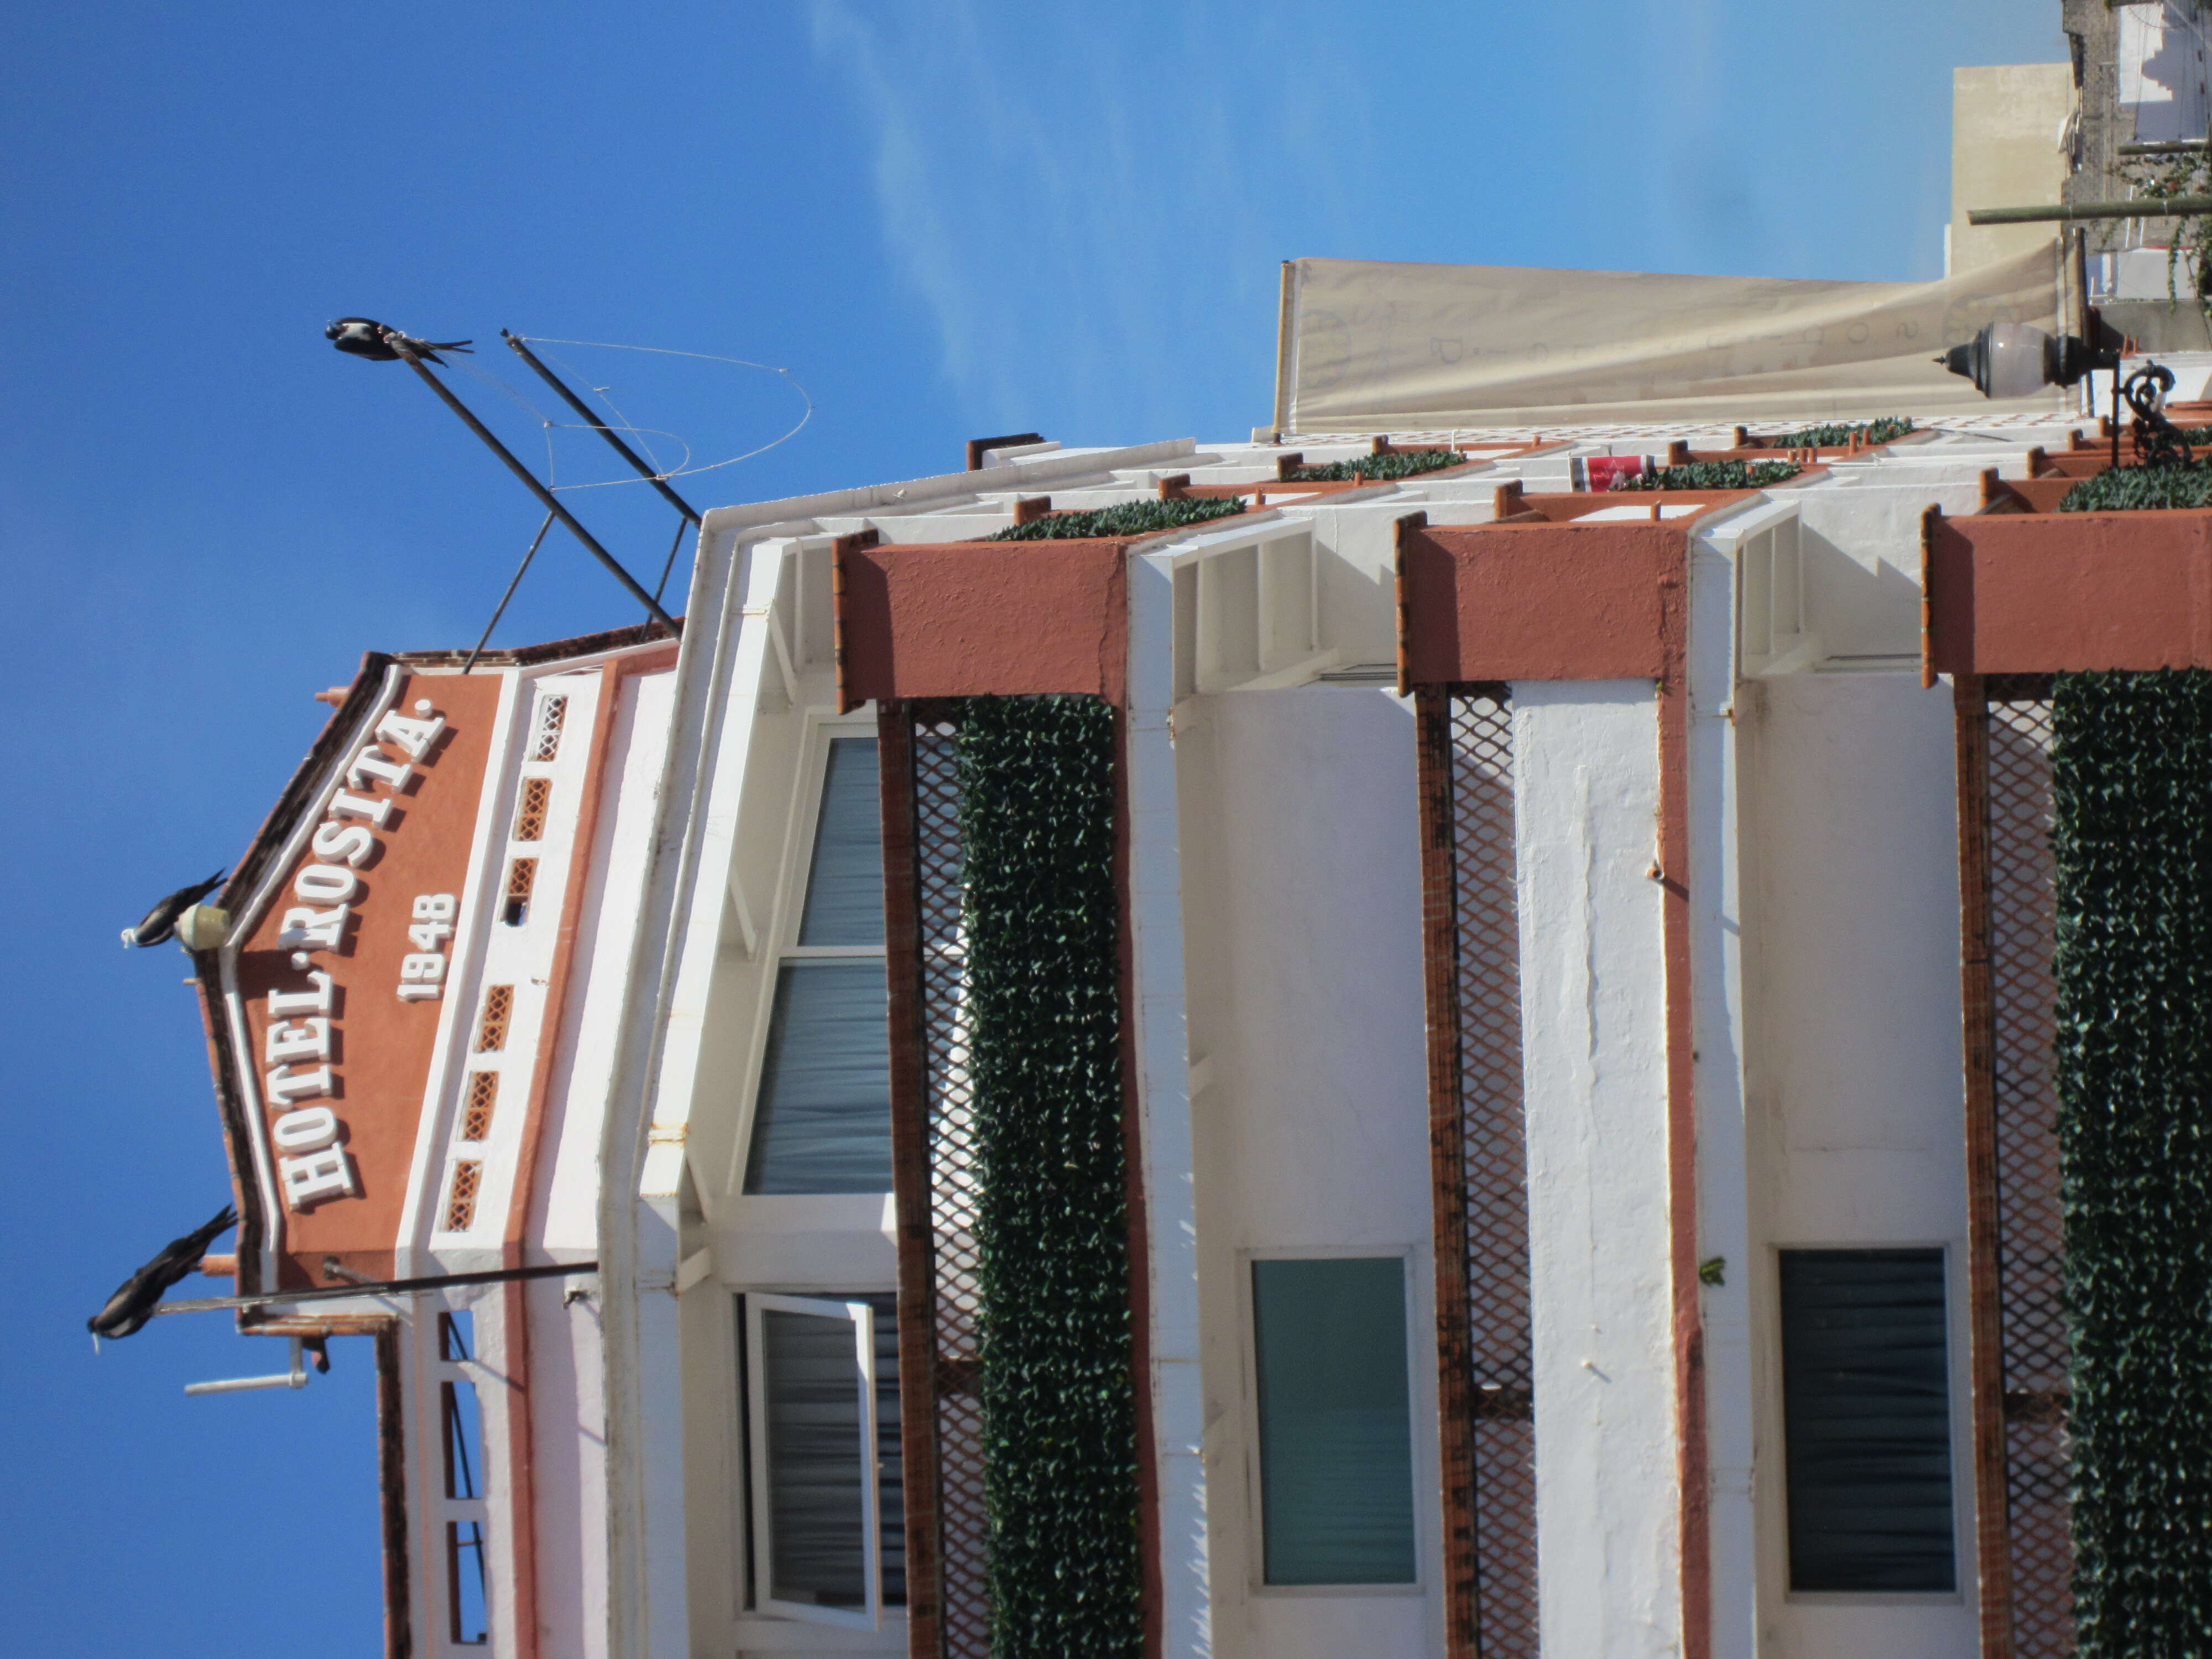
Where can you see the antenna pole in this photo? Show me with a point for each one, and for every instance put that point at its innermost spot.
(545, 497)
(601, 427)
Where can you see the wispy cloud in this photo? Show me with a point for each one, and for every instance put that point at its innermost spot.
(1092, 212)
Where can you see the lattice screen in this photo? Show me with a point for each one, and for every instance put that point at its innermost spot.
(1481, 1155)
(946, 1523)
(2030, 1250)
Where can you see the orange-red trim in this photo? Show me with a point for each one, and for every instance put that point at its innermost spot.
(1992, 1530)
(971, 619)
(2036, 593)
(1693, 1448)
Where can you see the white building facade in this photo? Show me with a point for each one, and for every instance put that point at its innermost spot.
(1548, 1092)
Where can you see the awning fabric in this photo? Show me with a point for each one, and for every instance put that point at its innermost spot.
(1370, 346)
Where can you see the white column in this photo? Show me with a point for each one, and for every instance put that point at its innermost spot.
(1592, 998)
(1164, 1111)
(1716, 885)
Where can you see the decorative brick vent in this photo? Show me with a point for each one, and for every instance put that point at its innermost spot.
(530, 816)
(491, 1026)
(476, 1115)
(545, 736)
(461, 1199)
(521, 879)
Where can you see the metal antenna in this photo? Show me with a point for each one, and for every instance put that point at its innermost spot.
(637, 461)
(520, 570)
(545, 497)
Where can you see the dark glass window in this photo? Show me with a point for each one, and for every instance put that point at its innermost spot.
(1867, 1420)
(845, 880)
(822, 1122)
(1336, 1444)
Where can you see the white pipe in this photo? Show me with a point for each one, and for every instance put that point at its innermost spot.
(295, 1378)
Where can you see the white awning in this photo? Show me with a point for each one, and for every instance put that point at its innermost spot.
(1370, 346)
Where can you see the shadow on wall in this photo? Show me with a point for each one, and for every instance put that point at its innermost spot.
(1865, 603)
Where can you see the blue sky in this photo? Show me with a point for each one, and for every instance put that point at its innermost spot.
(973, 216)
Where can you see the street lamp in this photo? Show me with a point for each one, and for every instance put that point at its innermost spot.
(2016, 360)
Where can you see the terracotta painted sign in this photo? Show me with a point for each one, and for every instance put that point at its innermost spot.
(336, 970)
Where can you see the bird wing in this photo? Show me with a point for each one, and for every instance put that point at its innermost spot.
(160, 921)
(126, 1312)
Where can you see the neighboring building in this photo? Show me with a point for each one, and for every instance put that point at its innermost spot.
(2142, 75)
(2013, 132)
(1517, 932)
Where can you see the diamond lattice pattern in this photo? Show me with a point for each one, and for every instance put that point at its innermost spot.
(962, 1523)
(1496, 1163)
(2030, 1248)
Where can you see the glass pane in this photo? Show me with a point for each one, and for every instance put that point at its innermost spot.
(824, 1124)
(1336, 1444)
(457, 1335)
(464, 1441)
(464, 1582)
(812, 1413)
(1866, 1410)
(890, 1457)
(844, 883)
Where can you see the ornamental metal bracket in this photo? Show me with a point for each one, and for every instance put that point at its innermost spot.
(2158, 441)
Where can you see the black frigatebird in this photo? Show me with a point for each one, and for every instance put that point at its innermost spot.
(136, 1296)
(160, 922)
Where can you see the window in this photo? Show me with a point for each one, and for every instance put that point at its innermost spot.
(466, 1594)
(464, 1584)
(1867, 1420)
(822, 1122)
(464, 1440)
(1336, 1443)
(828, 1505)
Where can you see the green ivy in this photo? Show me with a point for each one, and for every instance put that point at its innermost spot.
(1375, 469)
(2126, 488)
(1129, 518)
(1887, 429)
(2131, 776)
(1036, 778)
(1710, 475)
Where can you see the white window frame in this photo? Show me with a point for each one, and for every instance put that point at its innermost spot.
(781, 943)
(863, 1320)
(1423, 1457)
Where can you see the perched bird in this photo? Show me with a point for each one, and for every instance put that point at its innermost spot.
(161, 923)
(136, 1296)
(380, 342)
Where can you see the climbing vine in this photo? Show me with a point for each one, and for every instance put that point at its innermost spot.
(1036, 778)
(2131, 775)
(1710, 475)
(1376, 468)
(1129, 518)
(2126, 488)
(1887, 429)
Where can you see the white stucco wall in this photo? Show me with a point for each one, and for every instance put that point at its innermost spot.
(1302, 914)
(1592, 998)
(1856, 1102)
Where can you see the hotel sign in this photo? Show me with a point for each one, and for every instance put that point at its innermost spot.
(335, 971)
